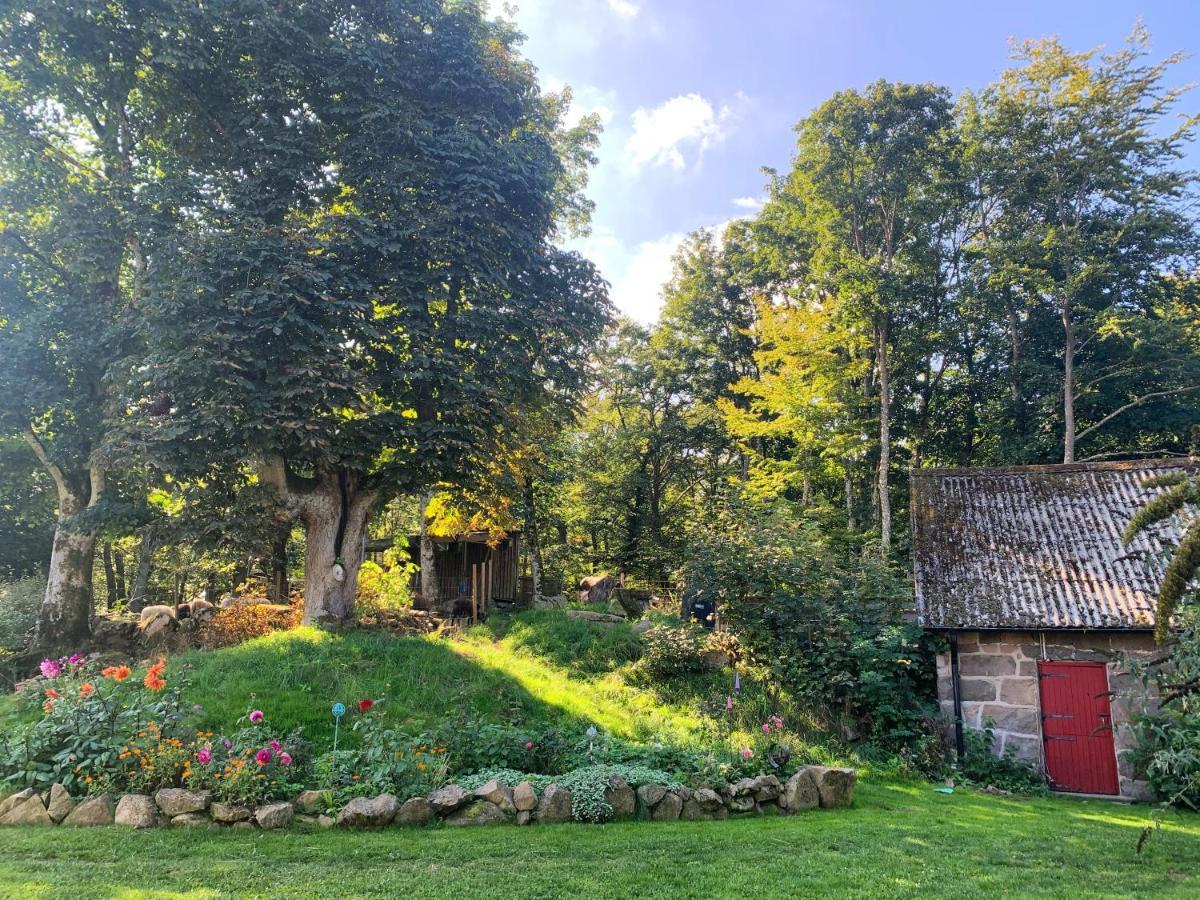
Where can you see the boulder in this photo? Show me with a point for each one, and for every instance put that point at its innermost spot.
(178, 802)
(304, 821)
(228, 813)
(136, 811)
(30, 811)
(13, 799)
(499, 794)
(324, 821)
(620, 797)
(446, 800)
(800, 792)
(743, 804)
(59, 804)
(191, 820)
(242, 826)
(643, 626)
(767, 788)
(368, 812)
(628, 602)
(274, 815)
(524, 817)
(835, 786)
(586, 615)
(743, 787)
(556, 602)
(692, 812)
(596, 588)
(310, 802)
(709, 800)
(651, 794)
(554, 805)
(417, 811)
(668, 808)
(481, 812)
(98, 810)
(525, 798)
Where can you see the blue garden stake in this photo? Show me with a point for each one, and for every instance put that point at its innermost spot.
(339, 710)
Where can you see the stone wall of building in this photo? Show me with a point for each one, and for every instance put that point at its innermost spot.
(999, 681)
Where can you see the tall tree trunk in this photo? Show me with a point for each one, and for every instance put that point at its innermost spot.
(141, 578)
(848, 486)
(1014, 379)
(335, 514)
(885, 436)
(119, 572)
(531, 536)
(428, 562)
(277, 571)
(110, 577)
(1068, 385)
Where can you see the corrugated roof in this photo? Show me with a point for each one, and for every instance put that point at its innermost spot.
(1037, 547)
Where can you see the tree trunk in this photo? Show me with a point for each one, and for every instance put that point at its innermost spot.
(428, 563)
(535, 548)
(110, 577)
(119, 571)
(848, 485)
(1068, 385)
(885, 438)
(277, 572)
(141, 579)
(335, 514)
(65, 618)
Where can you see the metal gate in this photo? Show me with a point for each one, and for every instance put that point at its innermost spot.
(1077, 727)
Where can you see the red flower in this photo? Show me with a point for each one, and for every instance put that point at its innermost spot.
(365, 704)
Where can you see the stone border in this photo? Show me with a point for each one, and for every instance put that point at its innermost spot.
(491, 804)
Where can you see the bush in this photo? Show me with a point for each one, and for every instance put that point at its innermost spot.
(673, 652)
(383, 588)
(983, 768)
(19, 604)
(243, 621)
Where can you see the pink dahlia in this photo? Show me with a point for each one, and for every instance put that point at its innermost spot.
(204, 756)
(256, 716)
(285, 758)
(275, 745)
(263, 756)
(50, 668)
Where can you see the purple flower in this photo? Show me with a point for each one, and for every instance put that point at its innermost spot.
(204, 756)
(76, 659)
(275, 745)
(50, 669)
(285, 758)
(256, 716)
(263, 756)
(227, 744)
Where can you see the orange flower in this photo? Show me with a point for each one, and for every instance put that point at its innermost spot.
(117, 673)
(86, 689)
(52, 693)
(154, 680)
(48, 707)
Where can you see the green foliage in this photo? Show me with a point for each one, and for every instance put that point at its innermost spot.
(19, 604)
(982, 767)
(1181, 496)
(586, 784)
(383, 588)
(672, 652)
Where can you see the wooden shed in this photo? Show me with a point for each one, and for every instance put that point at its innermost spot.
(1024, 570)
(474, 571)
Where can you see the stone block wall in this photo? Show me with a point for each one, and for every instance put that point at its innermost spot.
(998, 674)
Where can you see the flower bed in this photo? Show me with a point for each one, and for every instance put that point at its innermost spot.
(495, 802)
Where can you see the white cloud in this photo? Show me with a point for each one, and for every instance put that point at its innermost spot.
(661, 135)
(624, 9)
(636, 274)
(585, 99)
(748, 202)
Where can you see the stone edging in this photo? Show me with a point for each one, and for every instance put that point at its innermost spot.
(492, 804)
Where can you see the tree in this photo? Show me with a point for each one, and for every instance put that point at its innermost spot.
(367, 287)
(1181, 498)
(1091, 204)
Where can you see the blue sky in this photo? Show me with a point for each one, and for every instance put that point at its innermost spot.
(698, 95)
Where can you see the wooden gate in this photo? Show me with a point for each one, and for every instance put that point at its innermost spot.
(1077, 727)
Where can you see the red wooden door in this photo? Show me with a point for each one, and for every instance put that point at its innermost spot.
(1077, 727)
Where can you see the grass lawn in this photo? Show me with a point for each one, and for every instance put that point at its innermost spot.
(900, 840)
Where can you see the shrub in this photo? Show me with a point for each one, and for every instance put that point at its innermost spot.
(474, 746)
(383, 588)
(19, 604)
(251, 766)
(983, 768)
(243, 621)
(673, 652)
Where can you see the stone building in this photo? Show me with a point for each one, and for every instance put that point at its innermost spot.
(1024, 571)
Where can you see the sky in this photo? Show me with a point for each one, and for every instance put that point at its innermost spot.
(697, 96)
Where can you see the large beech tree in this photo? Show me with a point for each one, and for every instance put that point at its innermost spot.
(366, 292)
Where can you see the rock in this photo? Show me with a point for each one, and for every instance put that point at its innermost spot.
(446, 800)
(499, 794)
(596, 588)
(620, 797)
(191, 820)
(555, 805)
(368, 812)
(274, 815)
(93, 811)
(835, 786)
(524, 817)
(324, 821)
(767, 788)
(742, 804)
(304, 821)
(310, 802)
(228, 813)
(242, 826)
(14, 799)
(30, 811)
(709, 800)
(481, 812)
(800, 792)
(651, 794)
(177, 802)
(136, 811)
(643, 626)
(628, 602)
(556, 602)
(692, 812)
(743, 787)
(525, 798)
(716, 659)
(668, 808)
(586, 615)
(417, 811)
(60, 804)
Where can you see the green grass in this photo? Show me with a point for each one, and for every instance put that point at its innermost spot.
(899, 840)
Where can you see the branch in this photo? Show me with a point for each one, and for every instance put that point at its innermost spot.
(61, 482)
(1136, 402)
